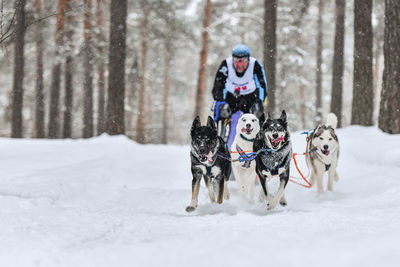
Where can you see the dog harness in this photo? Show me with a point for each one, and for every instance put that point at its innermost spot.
(274, 157)
(216, 154)
(243, 155)
(327, 166)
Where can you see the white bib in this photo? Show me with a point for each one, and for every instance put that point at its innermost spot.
(240, 85)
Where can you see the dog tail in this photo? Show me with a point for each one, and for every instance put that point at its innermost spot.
(331, 120)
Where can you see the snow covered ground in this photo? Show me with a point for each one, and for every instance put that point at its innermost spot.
(108, 201)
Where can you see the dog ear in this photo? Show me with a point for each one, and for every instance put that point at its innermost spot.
(283, 116)
(196, 124)
(211, 123)
(317, 131)
(265, 124)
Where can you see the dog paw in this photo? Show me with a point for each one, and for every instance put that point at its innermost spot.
(227, 196)
(190, 208)
(271, 205)
(336, 178)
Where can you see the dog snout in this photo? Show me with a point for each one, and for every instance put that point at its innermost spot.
(248, 125)
(275, 135)
(326, 147)
(202, 150)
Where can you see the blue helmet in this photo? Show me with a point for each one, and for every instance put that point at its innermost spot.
(241, 51)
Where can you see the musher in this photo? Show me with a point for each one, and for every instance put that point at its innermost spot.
(240, 86)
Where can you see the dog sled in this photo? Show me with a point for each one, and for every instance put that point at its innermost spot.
(226, 127)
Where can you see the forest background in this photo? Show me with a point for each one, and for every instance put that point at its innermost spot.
(73, 69)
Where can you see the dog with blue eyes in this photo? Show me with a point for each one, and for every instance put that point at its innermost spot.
(210, 160)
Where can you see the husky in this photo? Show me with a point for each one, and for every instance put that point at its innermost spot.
(274, 150)
(323, 153)
(245, 175)
(209, 159)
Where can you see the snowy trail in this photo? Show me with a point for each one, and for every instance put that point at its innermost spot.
(108, 201)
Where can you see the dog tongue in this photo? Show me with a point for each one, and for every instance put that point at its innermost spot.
(278, 139)
(243, 130)
(210, 157)
(326, 152)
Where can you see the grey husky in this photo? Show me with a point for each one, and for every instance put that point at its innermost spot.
(274, 154)
(324, 143)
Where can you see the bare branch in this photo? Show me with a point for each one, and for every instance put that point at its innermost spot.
(4, 36)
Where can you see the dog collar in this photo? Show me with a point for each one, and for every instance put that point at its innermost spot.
(319, 156)
(247, 139)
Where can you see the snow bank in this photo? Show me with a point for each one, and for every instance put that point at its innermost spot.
(108, 201)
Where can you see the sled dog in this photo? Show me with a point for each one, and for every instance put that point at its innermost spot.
(247, 129)
(324, 144)
(209, 159)
(274, 154)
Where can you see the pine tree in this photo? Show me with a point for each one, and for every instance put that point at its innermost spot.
(39, 131)
(363, 94)
(338, 62)
(389, 113)
(88, 72)
(117, 55)
(202, 77)
(318, 102)
(270, 10)
(17, 98)
(68, 75)
(54, 118)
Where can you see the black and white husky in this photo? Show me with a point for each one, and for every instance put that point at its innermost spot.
(324, 144)
(209, 159)
(247, 129)
(274, 155)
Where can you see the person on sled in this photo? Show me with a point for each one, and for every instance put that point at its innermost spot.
(240, 86)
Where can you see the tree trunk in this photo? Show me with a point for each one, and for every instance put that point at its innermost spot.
(389, 113)
(39, 131)
(167, 59)
(318, 102)
(68, 98)
(17, 99)
(202, 79)
(270, 9)
(149, 116)
(140, 129)
(88, 70)
(100, 70)
(116, 83)
(338, 62)
(101, 101)
(68, 74)
(300, 73)
(133, 80)
(54, 126)
(363, 94)
(242, 28)
(300, 66)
